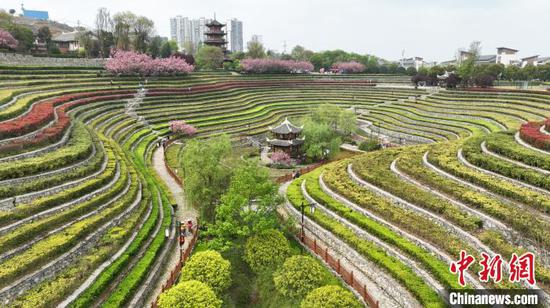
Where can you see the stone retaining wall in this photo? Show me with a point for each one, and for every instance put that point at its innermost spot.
(19, 59)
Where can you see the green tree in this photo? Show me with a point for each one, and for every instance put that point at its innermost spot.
(299, 53)
(44, 35)
(189, 294)
(143, 29)
(266, 251)
(154, 46)
(321, 142)
(24, 35)
(255, 50)
(347, 122)
(206, 173)
(247, 207)
(466, 69)
(298, 276)
(210, 268)
(543, 72)
(530, 72)
(209, 58)
(411, 71)
(168, 48)
(512, 72)
(330, 297)
(340, 120)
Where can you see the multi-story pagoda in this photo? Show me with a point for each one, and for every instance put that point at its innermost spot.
(286, 138)
(215, 36)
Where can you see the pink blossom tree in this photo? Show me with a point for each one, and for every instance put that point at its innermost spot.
(349, 67)
(260, 66)
(281, 158)
(7, 40)
(181, 127)
(131, 62)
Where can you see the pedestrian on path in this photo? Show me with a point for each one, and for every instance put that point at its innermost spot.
(190, 226)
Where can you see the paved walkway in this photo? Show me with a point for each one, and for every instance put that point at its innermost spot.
(183, 213)
(264, 156)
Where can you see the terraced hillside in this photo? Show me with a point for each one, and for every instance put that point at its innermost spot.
(82, 212)
(471, 181)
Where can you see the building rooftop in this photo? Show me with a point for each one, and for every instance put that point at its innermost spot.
(286, 128)
(506, 48)
(529, 58)
(487, 58)
(66, 37)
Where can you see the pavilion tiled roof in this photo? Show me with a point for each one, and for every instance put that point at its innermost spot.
(286, 128)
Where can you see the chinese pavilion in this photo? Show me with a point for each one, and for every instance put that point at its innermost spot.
(287, 138)
(215, 36)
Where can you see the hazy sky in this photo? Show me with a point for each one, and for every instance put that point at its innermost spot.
(433, 29)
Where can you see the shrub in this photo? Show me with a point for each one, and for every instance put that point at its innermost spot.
(298, 276)
(266, 251)
(281, 158)
(349, 67)
(7, 40)
(189, 294)
(208, 267)
(530, 132)
(330, 296)
(131, 62)
(369, 145)
(181, 127)
(275, 66)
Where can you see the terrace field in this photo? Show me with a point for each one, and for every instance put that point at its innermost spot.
(83, 212)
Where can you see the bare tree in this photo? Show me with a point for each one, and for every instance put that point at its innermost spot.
(144, 28)
(104, 25)
(123, 24)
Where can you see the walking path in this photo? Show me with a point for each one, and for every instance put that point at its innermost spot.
(182, 213)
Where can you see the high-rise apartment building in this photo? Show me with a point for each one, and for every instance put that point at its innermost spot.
(235, 35)
(190, 33)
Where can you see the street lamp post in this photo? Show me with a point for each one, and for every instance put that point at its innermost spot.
(312, 210)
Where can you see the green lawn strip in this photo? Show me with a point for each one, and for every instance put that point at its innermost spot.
(410, 163)
(474, 155)
(445, 158)
(375, 169)
(503, 143)
(339, 181)
(58, 243)
(133, 279)
(79, 147)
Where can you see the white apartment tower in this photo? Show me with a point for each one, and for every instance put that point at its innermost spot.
(235, 35)
(188, 33)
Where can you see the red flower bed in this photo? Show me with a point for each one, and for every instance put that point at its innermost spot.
(43, 112)
(530, 132)
(547, 125)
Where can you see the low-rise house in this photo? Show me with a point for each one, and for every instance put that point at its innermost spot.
(67, 42)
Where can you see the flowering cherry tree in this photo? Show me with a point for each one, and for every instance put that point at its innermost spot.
(7, 40)
(349, 67)
(181, 127)
(275, 66)
(130, 62)
(280, 157)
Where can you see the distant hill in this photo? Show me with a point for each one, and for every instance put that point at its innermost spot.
(55, 27)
